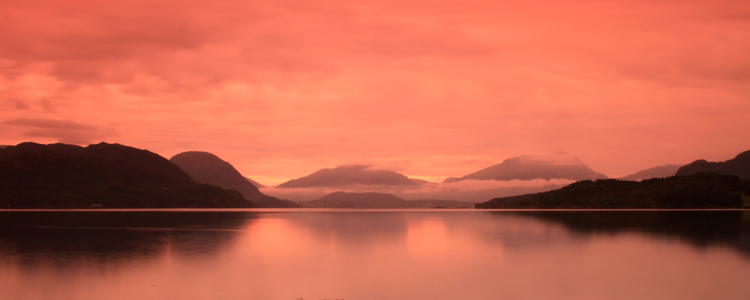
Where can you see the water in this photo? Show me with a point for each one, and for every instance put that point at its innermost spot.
(401, 254)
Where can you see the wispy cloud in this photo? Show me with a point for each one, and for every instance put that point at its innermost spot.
(63, 130)
(21, 105)
(468, 190)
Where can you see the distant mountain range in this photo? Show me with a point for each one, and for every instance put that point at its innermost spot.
(207, 168)
(738, 166)
(352, 175)
(379, 200)
(111, 175)
(655, 172)
(530, 168)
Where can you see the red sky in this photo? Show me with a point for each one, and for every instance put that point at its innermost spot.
(428, 88)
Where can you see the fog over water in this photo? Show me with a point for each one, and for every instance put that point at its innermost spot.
(386, 254)
(465, 190)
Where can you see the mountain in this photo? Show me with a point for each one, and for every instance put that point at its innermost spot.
(738, 166)
(352, 175)
(529, 168)
(207, 168)
(655, 172)
(378, 200)
(702, 190)
(113, 175)
(255, 183)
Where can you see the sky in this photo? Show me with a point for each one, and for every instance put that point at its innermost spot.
(430, 89)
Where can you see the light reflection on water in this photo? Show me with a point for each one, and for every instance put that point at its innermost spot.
(318, 254)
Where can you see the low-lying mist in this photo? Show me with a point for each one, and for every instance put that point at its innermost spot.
(465, 190)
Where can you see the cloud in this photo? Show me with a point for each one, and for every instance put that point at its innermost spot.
(352, 175)
(47, 105)
(21, 105)
(64, 131)
(285, 88)
(529, 167)
(51, 124)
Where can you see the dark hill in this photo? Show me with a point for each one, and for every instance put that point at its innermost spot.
(655, 172)
(207, 168)
(525, 168)
(703, 190)
(352, 175)
(738, 166)
(378, 200)
(113, 175)
(114, 162)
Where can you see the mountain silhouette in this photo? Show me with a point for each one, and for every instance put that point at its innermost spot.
(352, 175)
(530, 168)
(378, 200)
(655, 172)
(207, 168)
(702, 190)
(738, 166)
(113, 175)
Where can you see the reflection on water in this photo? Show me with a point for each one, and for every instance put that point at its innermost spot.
(318, 254)
(62, 237)
(700, 228)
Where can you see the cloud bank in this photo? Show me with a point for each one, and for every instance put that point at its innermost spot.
(466, 190)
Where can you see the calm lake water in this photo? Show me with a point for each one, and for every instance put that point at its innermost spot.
(395, 254)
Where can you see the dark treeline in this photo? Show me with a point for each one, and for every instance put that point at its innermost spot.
(703, 190)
